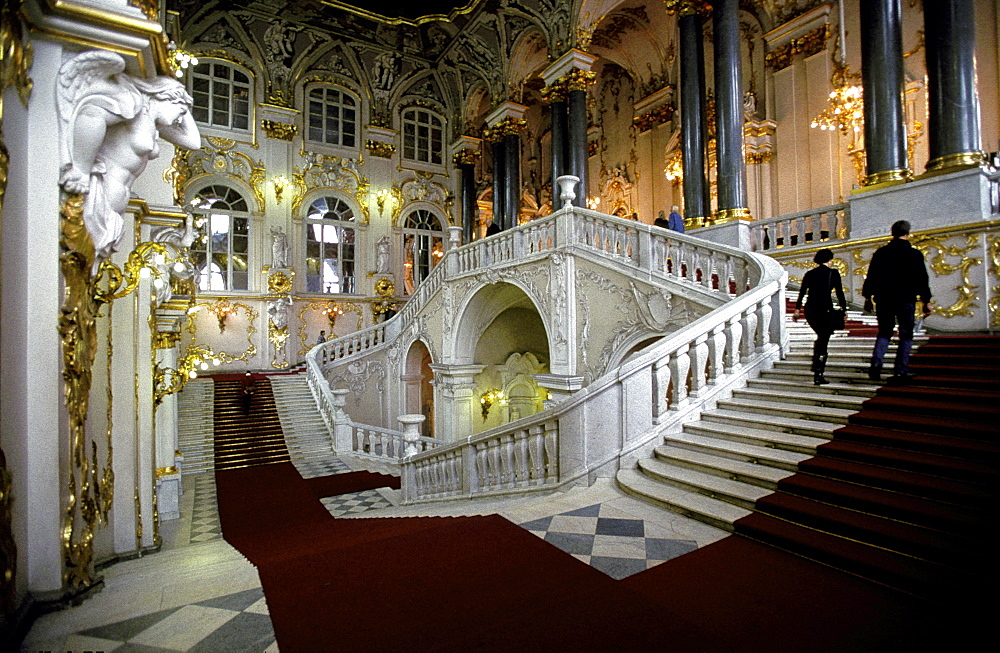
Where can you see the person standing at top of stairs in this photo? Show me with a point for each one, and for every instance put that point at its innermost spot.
(897, 277)
(817, 284)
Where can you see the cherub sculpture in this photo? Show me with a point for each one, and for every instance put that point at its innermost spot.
(110, 123)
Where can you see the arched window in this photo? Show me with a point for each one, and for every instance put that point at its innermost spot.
(222, 239)
(221, 96)
(333, 117)
(330, 246)
(423, 247)
(423, 136)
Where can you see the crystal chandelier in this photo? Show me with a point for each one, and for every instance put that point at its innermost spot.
(846, 110)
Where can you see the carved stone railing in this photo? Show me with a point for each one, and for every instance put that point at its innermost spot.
(375, 442)
(828, 224)
(674, 378)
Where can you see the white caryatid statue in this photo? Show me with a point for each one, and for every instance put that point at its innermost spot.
(279, 248)
(110, 124)
(382, 255)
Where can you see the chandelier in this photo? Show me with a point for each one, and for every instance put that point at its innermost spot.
(846, 110)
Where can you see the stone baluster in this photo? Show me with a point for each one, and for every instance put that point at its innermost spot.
(699, 365)
(493, 478)
(536, 452)
(716, 353)
(482, 467)
(507, 459)
(680, 364)
(734, 330)
(522, 472)
(764, 324)
(411, 433)
(661, 384)
(749, 323)
(551, 452)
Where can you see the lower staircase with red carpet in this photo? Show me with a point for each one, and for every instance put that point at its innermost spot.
(906, 493)
(242, 441)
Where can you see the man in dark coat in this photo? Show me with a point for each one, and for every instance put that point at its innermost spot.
(897, 277)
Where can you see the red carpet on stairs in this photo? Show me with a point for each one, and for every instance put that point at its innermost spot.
(906, 493)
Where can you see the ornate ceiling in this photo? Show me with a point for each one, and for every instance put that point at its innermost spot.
(407, 10)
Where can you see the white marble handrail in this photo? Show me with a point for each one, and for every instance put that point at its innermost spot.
(827, 224)
(377, 442)
(684, 368)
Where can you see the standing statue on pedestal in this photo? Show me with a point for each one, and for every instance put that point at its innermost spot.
(279, 248)
(382, 255)
(110, 123)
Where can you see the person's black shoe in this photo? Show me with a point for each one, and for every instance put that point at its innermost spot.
(819, 379)
(902, 377)
(875, 374)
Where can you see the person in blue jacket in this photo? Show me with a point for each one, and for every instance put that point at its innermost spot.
(674, 220)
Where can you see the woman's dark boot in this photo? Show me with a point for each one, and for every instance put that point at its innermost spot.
(819, 379)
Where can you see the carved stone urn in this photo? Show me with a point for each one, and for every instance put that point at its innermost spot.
(567, 184)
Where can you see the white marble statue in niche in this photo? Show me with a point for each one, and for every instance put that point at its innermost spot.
(382, 255)
(279, 248)
(110, 123)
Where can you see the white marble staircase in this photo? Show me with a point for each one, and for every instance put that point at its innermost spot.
(306, 435)
(717, 467)
(195, 426)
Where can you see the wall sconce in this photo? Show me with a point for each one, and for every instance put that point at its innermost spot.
(488, 399)
(279, 184)
(222, 310)
(593, 203)
(331, 312)
(168, 380)
(180, 60)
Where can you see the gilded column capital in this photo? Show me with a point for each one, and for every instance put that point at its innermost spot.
(555, 92)
(688, 7)
(508, 126)
(579, 80)
(466, 156)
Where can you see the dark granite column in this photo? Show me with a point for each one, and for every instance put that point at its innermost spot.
(953, 106)
(697, 206)
(557, 107)
(466, 161)
(512, 182)
(499, 181)
(577, 133)
(732, 172)
(882, 72)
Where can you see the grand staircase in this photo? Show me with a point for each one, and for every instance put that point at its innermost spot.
(894, 484)
(195, 426)
(246, 439)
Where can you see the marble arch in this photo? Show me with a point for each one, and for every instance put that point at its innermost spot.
(481, 308)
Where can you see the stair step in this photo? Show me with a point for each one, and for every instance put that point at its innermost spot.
(927, 424)
(716, 487)
(778, 387)
(943, 466)
(801, 411)
(917, 541)
(760, 475)
(691, 504)
(903, 572)
(886, 503)
(787, 460)
(808, 398)
(791, 425)
(943, 445)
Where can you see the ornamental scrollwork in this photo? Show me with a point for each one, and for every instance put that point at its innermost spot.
(965, 303)
(993, 251)
(279, 130)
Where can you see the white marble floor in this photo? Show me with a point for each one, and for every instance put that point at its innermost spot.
(200, 594)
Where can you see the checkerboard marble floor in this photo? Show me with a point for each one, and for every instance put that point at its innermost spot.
(200, 594)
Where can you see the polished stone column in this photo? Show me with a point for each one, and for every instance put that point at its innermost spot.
(729, 113)
(465, 161)
(499, 182)
(512, 182)
(952, 102)
(557, 108)
(577, 135)
(693, 125)
(882, 72)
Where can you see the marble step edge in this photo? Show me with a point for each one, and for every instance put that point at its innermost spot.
(826, 399)
(765, 438)
(738, 493)
(835, 388)
(737, 450)
(690, 504)
(807, 412)
(763, 476)
(791, 425)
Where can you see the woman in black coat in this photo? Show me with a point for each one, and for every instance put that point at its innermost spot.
(816, 287)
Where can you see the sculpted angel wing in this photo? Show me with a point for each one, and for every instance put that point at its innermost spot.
(77, 77)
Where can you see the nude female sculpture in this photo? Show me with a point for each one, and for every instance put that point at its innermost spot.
(110, 124)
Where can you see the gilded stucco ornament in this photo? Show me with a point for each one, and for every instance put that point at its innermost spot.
(110, 123)
(939, 264)
(994, 254)
(277, 329)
